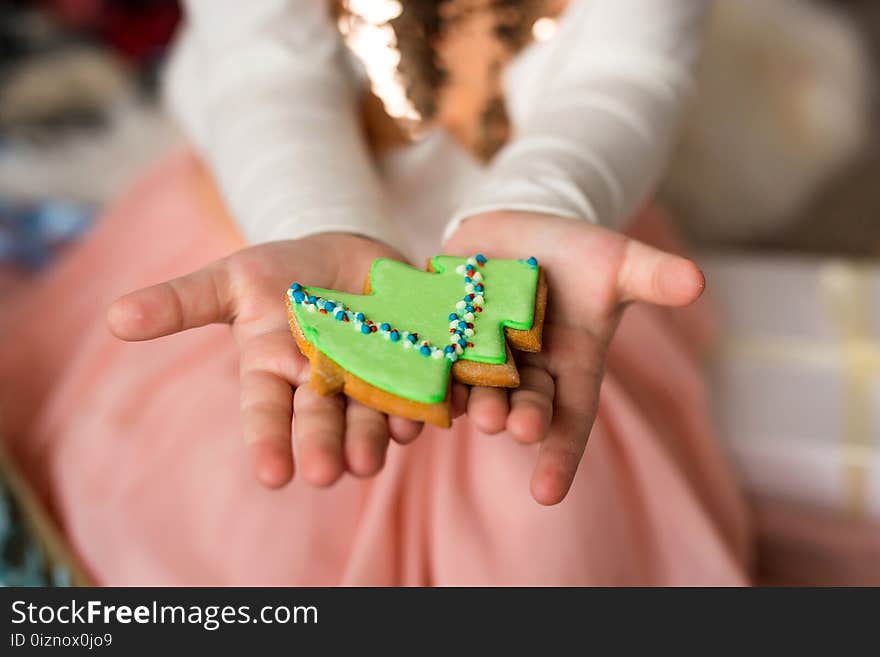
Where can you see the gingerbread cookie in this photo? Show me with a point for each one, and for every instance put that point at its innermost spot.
(394, 347)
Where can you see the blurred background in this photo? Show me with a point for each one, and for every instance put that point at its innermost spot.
(776, 185)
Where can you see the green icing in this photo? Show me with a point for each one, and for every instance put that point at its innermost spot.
(418, 301)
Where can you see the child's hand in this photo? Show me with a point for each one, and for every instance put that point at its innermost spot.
(592, 273)
(246, 290)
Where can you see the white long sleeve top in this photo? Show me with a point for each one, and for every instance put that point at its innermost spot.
(266, 92)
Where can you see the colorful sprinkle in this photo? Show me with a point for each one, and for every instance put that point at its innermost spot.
(461, 323)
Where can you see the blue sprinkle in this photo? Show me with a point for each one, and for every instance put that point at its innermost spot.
(312, 298)
(365, 329)
(425, 350)
(296, 287)
(359, 317)
(298, 296)
(459, 332)
(452, 317)
(329, 306)
(478, 287)
(385, 326)
(480, 258)
(411, 338)
(340, 315)
(532, 262)
(462, 325)
(449, 349)
(468, 279)
(462, 343)
(395, 335)
(469, 308)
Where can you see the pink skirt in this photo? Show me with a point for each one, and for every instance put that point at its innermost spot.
(135, 448)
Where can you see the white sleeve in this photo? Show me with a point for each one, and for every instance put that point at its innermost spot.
(266, 93)
(595, 126)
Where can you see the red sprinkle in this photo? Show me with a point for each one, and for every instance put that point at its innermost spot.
(479, 309)
(470, 297)
(470, 325)
(322, 311)
(373, 329)
(470, 344)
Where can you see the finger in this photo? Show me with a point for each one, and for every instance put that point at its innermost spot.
(577, 371)
(265, 417)
(202, 297)
(459, 401)
(487, 408)
(654, 276)
(403, 430)
(564, 446)
(531, 405)
(318, 427)
(366, 439)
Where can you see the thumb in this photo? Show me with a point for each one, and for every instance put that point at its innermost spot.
(200, 298)
(654, 276)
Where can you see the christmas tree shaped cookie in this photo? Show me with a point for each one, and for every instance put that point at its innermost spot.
(397, 347)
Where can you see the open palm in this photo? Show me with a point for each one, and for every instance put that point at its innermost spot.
(592, 274)
(245, 290)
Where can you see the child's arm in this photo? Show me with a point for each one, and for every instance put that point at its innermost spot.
(595, 123)
(266, 91)
(594, 131)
